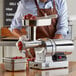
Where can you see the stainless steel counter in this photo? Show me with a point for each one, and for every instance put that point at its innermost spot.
(70, 71)
(8, 43)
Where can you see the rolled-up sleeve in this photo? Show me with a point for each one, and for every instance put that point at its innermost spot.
(62, 25)
(17, 20)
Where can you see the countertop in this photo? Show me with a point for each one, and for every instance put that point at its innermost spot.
(71, 71)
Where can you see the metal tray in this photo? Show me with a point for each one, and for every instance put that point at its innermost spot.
(40, 21)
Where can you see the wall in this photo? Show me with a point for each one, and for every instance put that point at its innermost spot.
(9, 51)
(71, 7)
(72, 12)
(1, 13)
(12, 51)
(1, 23)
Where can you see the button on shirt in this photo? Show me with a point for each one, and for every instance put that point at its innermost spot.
(28, 6)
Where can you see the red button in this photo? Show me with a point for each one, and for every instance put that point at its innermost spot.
(60, 57)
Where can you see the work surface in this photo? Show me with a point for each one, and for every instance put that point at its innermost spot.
(8, 43)
(71, 71)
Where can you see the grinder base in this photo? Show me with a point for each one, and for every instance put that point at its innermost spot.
(48, 65)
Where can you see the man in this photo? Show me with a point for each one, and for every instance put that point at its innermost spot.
(59, 27)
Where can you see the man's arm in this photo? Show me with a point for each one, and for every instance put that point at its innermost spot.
(62, 25)
(16, 24)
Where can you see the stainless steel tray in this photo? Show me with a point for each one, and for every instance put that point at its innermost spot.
(40, 21)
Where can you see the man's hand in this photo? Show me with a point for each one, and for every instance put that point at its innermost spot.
(58, 36)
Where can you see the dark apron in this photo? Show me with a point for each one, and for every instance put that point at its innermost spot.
(46, 31)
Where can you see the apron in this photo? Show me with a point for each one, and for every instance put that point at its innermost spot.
(46, 31)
